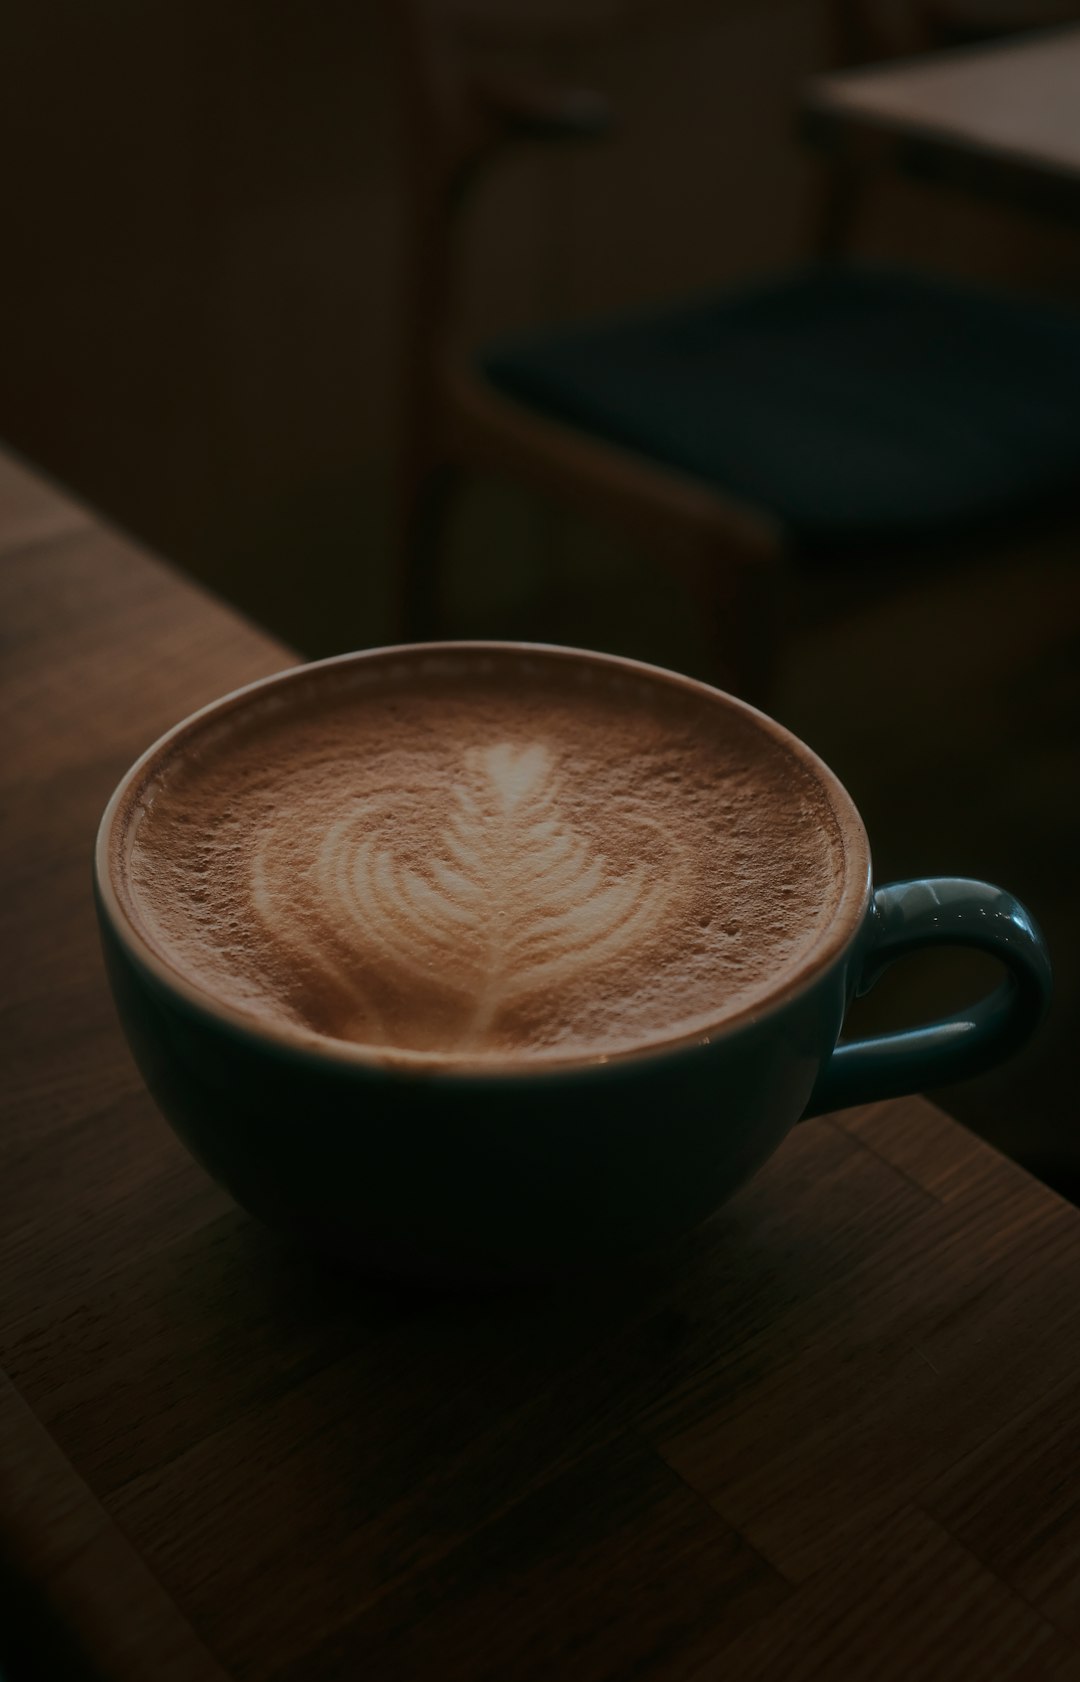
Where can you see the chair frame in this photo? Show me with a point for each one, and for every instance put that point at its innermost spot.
(732, 558)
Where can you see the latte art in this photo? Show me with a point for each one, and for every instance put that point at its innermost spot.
(478, 857)
(514, 904)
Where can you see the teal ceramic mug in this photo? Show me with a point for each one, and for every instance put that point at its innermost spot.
(505, 1162)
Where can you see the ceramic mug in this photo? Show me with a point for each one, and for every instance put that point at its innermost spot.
(530, 1172)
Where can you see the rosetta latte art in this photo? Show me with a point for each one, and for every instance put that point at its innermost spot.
(514, 906)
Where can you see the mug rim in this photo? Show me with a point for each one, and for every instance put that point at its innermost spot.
(294, 1039)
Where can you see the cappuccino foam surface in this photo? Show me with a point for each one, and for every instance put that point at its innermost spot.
(482, 860)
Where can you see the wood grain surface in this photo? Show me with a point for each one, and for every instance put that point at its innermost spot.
(831, 1434)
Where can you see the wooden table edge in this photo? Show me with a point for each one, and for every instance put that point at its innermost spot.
(84, 1601)
(824, 121)
(932, 150)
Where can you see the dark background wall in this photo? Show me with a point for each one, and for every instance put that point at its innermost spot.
(201, 212)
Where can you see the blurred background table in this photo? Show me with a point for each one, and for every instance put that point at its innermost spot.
(1002, 117)
(830, 1433)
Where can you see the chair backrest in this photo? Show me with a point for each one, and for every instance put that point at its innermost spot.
(434, 83)
(459, 114)
(458, 109)
(443, 137)
(867, 30)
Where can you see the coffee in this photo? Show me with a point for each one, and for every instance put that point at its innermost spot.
(482, 856)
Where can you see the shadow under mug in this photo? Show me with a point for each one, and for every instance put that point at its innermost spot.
(471, 1175)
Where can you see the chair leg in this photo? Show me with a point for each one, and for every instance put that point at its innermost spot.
(745, 604)
(423, 524)
(836, 206)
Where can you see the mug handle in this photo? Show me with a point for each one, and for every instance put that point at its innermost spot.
(941, 911)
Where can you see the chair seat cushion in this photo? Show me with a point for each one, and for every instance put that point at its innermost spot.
(859, 404)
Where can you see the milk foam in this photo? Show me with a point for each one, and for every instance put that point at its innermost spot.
(485, 860)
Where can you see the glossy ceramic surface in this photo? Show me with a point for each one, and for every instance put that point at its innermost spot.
(459, 1175)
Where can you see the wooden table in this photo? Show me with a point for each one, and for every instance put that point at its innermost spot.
(1001, 118)
(832, 1434)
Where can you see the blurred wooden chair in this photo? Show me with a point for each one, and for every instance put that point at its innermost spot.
(815, 418)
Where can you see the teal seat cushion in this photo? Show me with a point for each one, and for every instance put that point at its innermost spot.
(859, 404)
